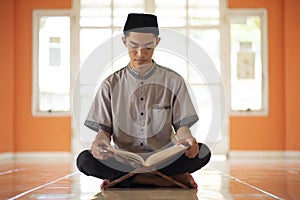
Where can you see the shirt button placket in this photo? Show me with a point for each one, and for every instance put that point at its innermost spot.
(142, 112)
(142, 103)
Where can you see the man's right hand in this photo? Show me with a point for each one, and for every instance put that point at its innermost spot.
(101, 142)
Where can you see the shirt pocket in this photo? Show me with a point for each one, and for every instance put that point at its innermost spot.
(160, 107)
(161, 117)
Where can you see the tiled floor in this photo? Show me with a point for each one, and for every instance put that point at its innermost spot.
(233, 179)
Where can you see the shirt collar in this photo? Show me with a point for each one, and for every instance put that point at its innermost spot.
(147, 75)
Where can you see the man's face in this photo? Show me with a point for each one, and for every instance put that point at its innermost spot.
(140, 48)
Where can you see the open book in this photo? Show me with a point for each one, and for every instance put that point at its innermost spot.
(153, 159)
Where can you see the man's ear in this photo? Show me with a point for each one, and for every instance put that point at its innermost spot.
(157, 41)
(124, 41)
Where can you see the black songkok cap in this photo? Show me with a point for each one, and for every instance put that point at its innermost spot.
(142, 23)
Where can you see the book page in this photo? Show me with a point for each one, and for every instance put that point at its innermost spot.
(163, 155)
(156, 158)
(127, 155)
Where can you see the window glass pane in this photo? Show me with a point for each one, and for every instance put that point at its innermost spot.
(203, 12)
(120, 63)
(91, 38)
(246, 63)
(54, 63)
(203, 104)
(122, 8)
(54, 51)
(120, 15)
(95, 22)
(129, 4)
(95, 3)
(209, 41)
(91, 11)
(94, 13)
(195, 77)
(171, 61)
(171, 14)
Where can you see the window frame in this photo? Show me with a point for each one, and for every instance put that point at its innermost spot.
(36, 15)
(262, 13)
(225, 65)
(150, 7)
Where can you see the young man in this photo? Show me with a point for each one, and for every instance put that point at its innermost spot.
(140, 108)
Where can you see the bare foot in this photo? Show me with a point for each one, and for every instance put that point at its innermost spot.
(104, 183)
(187, 179)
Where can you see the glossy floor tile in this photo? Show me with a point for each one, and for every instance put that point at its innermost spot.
(231, 179)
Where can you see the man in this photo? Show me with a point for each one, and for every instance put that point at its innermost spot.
(142, 108)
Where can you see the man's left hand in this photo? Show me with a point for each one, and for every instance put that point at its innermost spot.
(184, 136)
(193, 150)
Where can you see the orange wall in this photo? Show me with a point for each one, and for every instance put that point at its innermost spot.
(29, 133)
(278, 131)
(6, 75)
(292, 73)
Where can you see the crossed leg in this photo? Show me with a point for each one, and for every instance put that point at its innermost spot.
(180, 170)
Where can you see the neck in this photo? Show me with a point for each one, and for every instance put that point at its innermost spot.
(141, 69)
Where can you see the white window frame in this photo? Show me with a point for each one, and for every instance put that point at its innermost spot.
(149, 7)
(37, 14)
(262, 13)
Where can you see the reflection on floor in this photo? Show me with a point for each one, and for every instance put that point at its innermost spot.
(233, 179)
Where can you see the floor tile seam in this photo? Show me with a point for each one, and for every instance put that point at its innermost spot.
(42, 186)
(248, 184)
(256, 188)
(10, 171)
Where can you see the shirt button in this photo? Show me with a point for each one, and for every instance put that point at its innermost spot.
(142, 98)
(142, 113)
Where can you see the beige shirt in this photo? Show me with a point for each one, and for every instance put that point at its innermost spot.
(141, 113)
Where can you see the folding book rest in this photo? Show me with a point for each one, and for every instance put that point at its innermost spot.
(143, 169)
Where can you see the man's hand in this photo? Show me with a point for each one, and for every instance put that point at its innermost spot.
(184, 136)
(193, 150)
(101, 142)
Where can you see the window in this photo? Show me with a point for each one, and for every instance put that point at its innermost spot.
(248, 62)
(196, 19)
(51, 63)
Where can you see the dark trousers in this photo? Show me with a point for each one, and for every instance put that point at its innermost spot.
(90, 166)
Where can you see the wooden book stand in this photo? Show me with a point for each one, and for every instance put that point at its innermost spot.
(141, 170)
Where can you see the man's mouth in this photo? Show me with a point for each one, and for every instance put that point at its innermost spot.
(140, 60)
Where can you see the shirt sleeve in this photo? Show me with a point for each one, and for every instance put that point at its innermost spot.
(100, 115)
(184, 113)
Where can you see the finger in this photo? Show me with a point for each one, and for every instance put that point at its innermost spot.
(105, 143)
(96, 151)
(192, 151)
(189, 153)
(184, 143)
(100, 156)
(195, 150)
(96, 155)
(106, 156)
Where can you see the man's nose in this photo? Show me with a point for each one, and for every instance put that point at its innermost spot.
(140, 51)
